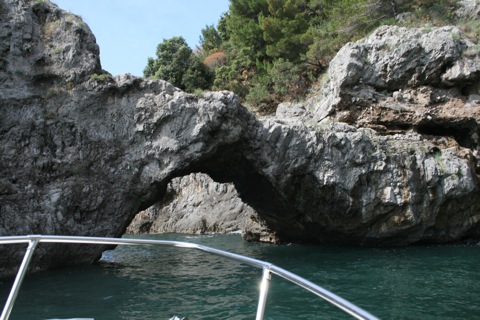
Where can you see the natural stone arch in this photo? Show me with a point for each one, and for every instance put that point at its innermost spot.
(228, 164)
(81, 152)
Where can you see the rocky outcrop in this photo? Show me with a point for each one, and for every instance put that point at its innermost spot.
(196, 204)
(468, 10)
(401, 79)
(81, 153)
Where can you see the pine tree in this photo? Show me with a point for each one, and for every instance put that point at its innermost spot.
(177, 64)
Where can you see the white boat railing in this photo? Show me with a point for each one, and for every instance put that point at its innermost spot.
(268, 269)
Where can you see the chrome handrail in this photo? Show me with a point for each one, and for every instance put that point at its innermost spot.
(268, 269)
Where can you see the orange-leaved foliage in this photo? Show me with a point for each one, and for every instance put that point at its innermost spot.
(216, 60)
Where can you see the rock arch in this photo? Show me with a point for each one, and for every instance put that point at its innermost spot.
(81, 152)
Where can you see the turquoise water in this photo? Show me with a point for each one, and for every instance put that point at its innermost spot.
(428, 282)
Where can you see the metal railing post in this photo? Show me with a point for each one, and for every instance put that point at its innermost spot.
(19, 279)
(268, 269)
(262, 299)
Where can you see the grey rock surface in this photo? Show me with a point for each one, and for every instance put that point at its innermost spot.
(398, 80)
(195, 204)
(468, 9)
(391, 59)
(81, 153)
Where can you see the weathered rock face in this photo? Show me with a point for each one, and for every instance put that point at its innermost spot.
(81, 154)
(197, 204)
(402, 79)
(468, 9)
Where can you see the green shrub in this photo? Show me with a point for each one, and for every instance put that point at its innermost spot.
(471, 29)
(102, 77)
(198, 92)
(258, 96)
(177, 64)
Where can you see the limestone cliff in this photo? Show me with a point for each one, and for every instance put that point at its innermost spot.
(196, 204)
(82, 153)
(401, 79)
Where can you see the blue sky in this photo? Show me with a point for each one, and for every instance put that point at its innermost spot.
(128, 31)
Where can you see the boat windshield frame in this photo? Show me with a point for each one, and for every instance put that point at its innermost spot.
(268, 269)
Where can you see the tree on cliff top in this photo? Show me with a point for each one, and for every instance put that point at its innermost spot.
(210, 40)
(177, 64)
(277, 48)
(269, 51)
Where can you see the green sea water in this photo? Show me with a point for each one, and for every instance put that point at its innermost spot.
(421, 282)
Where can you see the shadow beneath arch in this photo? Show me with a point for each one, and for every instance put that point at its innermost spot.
(229, 165)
